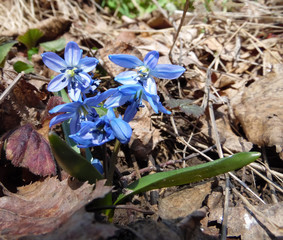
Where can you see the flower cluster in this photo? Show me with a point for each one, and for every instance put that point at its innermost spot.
(87, 127)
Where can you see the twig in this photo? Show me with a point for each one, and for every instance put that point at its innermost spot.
(128, 207)
(11, 86)
(186, 7)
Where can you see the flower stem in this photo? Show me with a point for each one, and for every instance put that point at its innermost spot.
(112, 163)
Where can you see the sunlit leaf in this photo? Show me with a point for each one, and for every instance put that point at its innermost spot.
(54, 46)
(4, 50)
(20, 66)
(31, 52)
(30, 38)
(189, 174)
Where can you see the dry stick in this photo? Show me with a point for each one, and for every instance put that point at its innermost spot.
(220, 154)
(182, 140)
(269, 224)
(11, 86)
(186, 7)
(262, 167)
(260, 175)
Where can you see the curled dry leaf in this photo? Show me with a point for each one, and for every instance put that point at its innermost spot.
(259, 110)
(27, 148)
(42, 207)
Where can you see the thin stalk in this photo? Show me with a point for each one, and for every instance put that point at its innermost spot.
(112, 163)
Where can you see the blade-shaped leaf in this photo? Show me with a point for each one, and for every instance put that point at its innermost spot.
(30, 38)
(72, 162)
(4, 50)
(189, 174)
(54, 46)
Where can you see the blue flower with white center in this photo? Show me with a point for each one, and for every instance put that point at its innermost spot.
(73, 70)
(146, 70)
(104, 129)
(77, 112)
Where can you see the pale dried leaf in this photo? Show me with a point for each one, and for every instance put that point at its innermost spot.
(42, 207)
(260, 112)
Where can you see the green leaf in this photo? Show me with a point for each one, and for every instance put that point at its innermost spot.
(101, 111)
(31, 52)
(54, 46)
(72, 162)
(4, 50)
(20, 66)
(189, 174)
(30, 38)
(186, 106)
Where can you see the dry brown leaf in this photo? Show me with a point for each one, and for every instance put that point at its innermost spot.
(229, 139)
(116, 47)
(145, 136)
(184, 202)
(250, 226)
(27, 148)
(80, 226)
(42, 207)
(259, 110)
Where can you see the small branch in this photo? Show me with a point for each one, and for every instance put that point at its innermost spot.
(128, 207)
(11, 86)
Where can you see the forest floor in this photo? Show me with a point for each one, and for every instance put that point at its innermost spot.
(229, 101)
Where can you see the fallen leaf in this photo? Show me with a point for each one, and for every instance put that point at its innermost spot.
(42, 207)
(183, 202)
(27, 148)
(145, 136)
(116, 47)
(259, 111)
(247, 225)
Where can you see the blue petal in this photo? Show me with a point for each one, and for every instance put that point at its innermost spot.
(151, 59)
(167, 71)
(121, 129)
(110, 114)
(72, 54)
(97, 164)
(57, 83)
(60, 118)
(150, 86)
(53, 61)
(94, 101)
(67, 107)
(74, 93)
(125, 60)
(87, 64)
(129, 89)
(75, 124)
(117, 100)
(156, 100)
(127, 77)
(131, 111)
(84, 80)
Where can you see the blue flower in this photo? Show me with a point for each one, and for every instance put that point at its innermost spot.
(146, 70)
(103, 130)
(132, 96)
(77, 112)
(73, 70)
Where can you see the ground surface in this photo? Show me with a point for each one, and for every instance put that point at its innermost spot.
(230, 100)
